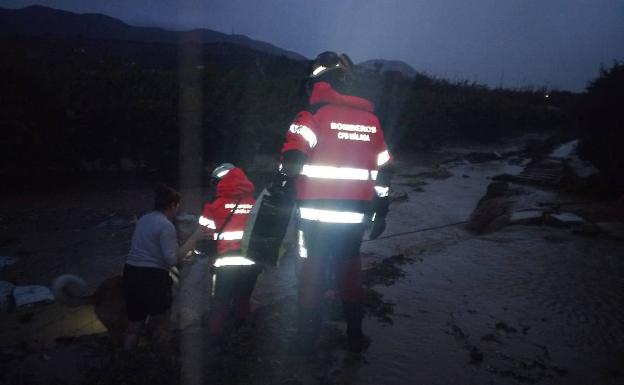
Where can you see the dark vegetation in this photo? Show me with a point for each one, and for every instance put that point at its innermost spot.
(424, 112)
(87, 107)
(96, 108)
(602, 127)
(75, 107)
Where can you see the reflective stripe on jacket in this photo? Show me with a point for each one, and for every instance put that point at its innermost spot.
(231, 187)
(344, 145)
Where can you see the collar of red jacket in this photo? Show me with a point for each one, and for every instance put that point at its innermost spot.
(322, 92)
(235, 184)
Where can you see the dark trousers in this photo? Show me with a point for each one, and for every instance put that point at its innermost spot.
(231, 298)
(332, 261)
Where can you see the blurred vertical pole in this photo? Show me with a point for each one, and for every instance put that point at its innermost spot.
(190, 177)
(190, 151)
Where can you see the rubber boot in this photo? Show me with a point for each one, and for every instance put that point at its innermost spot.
(216, 326)
(356, 339)
(309, 328)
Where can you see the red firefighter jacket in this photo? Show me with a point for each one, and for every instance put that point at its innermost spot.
(232, 187)
(344, 143)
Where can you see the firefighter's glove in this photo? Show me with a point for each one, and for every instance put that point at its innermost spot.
(206, 248)
(378, 228)
(281, 188)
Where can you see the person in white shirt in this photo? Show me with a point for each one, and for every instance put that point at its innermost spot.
(146, 280)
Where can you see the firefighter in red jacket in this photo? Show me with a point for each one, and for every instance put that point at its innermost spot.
(234, 276)
(336, 156)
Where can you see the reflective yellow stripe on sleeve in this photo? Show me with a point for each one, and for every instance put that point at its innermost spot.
(330, 216)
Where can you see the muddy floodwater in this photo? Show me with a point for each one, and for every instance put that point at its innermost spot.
(526, 304)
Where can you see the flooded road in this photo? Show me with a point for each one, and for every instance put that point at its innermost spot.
(526, 304)
(523, 305)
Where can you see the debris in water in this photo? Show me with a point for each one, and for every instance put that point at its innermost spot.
(564, 150)
(588, 229)
(504, 327)
(489, 338)
(559, 371)
(26, 295)
(7, 261)
(399, 197)
(386, 272)
(26, 318)
(436, 173)
(564, 219)
(482, 157)
(612, 229)
(476, 356)
(527, 217)
(376, 306)
(6, 289)
(10, 240)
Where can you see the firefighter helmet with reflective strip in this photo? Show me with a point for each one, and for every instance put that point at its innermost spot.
(332, 68)
(330, 61)
(221, 170)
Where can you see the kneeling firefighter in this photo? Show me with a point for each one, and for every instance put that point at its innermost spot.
(335, 158)
(234, 276)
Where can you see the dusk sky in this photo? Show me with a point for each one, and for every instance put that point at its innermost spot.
(553, 43)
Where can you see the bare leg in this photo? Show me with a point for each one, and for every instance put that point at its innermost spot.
(131, 339)
(160, 325)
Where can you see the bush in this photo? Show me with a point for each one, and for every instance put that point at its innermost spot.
(601, 122)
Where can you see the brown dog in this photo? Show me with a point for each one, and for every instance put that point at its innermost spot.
(108, 303)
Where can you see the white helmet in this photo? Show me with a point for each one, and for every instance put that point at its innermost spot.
(220, 171)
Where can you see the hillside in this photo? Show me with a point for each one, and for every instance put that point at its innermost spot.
(44, 21)
(114, 101)
(382, 66)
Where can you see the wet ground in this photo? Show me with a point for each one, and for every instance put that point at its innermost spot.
(525, 304)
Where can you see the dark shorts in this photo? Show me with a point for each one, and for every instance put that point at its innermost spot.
(147, 291)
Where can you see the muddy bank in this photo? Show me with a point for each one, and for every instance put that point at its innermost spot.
(519, 304)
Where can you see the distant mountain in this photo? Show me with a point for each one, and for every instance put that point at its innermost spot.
(382, 65)
(43, 21)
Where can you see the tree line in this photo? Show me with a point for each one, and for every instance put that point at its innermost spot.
(76, 107)
(601, 127)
